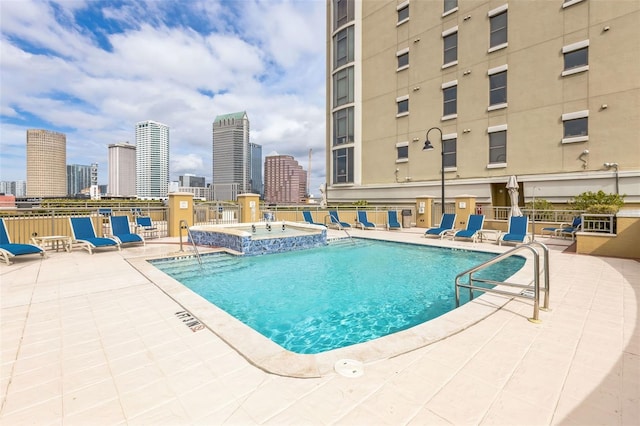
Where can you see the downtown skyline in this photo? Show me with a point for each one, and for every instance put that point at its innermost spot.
(92, 70)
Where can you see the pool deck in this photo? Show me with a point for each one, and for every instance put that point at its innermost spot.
(90, 340)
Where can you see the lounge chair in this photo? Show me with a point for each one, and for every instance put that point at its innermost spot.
(517, 233)
(363, 222)
(333, 214)
(146, 226)
(474, 225)
(9, 249)
(121, 231)
(566, 229)
(306, 214)
(446, 224)
(84, 233)
(392, 220)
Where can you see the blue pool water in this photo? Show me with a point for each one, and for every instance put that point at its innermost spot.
(315, 300)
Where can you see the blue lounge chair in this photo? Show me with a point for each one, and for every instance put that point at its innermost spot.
(363, 221)
(474, 225)
(309, 219)
(146, 226)
(83, 232)
(517, 233)
(9, 249)
(392, 220)
(121, 231)
(446, 224)
(333, 214)
(566, 229)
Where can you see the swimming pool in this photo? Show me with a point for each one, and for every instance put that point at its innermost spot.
(317, 300)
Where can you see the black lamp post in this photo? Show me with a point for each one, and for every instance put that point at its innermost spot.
(428, 147)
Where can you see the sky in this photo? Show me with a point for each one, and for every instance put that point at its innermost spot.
(92, 69)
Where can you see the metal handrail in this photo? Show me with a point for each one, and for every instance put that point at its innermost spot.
(536, 278)
(185, 225)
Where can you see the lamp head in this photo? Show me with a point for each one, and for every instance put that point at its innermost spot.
(427, 146)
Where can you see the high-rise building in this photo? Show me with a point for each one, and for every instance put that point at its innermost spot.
(255, 161)
(17, 188)
(193, 181)
(152, 160)
(230, 147)
(46, 163)
(79, 179)
(545, 90)
(122, 170)
(284, 179)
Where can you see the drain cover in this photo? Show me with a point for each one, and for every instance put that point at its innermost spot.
(349, 368)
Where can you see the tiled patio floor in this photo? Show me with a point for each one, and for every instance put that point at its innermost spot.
(87, 339)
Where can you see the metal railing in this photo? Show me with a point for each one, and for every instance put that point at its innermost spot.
(526, 293)
(185, 225)
(553, 216)
(599, 223)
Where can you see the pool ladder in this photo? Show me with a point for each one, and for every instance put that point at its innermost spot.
(526, 293)
(185, 225)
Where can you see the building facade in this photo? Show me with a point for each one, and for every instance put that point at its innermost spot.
(17, 188)
(547, 91)
(152, 160)
(122, 170)
(231, 155)
(46, 163)
(255, 161)
(284, 180)
(79, 179)
(191, 181)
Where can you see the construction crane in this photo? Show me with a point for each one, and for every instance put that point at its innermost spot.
(309, 173)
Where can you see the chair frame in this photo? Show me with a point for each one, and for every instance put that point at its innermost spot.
(363, 222)
(441, 231)
(148, 231)
(525, 237)
(396, 224)
(476, 232)
(335, 220)
(308, 218)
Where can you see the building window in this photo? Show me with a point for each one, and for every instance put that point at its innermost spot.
(343, 87)
(450, 45)
(450, 6)
(403, 105)
(576, 126)
(498, 28)
(576, 57)
(343, 165)
(498, 87)
(342, 12)
(449, 160)
(450, 100)
(498, 145)
(343, 47)
(402, 150)
(343, 126)
(403, 13)
(403, 59)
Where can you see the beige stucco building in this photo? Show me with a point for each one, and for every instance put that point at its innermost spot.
(548, 91)
(46, 163)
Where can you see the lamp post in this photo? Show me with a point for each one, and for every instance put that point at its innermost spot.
(429, 147)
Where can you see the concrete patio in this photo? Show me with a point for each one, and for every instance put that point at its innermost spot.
(89, 340)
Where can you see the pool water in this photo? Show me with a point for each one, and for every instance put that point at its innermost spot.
(316, 300)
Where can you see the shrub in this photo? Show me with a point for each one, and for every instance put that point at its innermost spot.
(598, 202)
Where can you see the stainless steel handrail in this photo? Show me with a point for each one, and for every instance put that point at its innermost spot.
(185, 225)
(536, 278)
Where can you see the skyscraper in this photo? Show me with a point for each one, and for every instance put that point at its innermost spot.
(152, 159)
(122, 170)
(284, 179)
(78, 179)
(230, 147)
(255, 162)
(46, 163)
